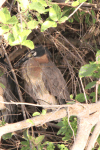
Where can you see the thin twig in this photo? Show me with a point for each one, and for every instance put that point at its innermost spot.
(15, 78)
(75, 11)
(83, 90)
(70, 124)
(11, 5)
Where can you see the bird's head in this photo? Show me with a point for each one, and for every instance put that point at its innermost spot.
(40, 54)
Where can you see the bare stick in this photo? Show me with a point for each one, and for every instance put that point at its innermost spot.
(15, 78)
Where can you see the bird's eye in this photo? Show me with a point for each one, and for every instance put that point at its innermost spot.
(34, 54)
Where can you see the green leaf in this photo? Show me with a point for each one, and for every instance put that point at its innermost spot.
(55, 13)
(7, 136)
(48, 24)
(2, 17)
(23, 35)
(24, 4)
(4, 29)
(66, 1)
(63, 19)
(26, 145)
(12, 20)
(16, 29)
(76, 3)
(9, 36)
(37, 6)
(43, 111)
(87, 70)
(30, 121)
(39, 17)
(50, 146)
(93, 96)
(62, 147)
(93, 16)
(99, 148)
(72, 102)
(60, 124)
(1, 72)
(1, 85)
(28, 43)
(23, 25)
(39, 139)
(19, 37)
(80, 97)
(25, 134)
(99, 90)
(90, 85)
(35, 114)
(98, 140)
(71, 96)
(6, 12)
(43, 2)
(32, 24)
(98, 56)
(2, 123)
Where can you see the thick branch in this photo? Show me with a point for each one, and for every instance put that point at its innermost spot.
(85, 125)
(39, 120)
(88, 115)
(94, 136)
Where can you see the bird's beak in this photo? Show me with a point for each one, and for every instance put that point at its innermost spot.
(22, 60)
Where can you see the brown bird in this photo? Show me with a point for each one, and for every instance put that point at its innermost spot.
(6, 95)
(42, 79)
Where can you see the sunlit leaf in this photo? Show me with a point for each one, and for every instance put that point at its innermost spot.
(32, 24)
(37, 6)
(12, 20)
(28, 43)
(43, 112)
(35, 114)
(30, 121)
(55, 13)
(48, 24)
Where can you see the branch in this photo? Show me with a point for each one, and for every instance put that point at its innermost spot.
(94, 136)
(87, 114)
(15, 78)
(37, 121)
(85, 125)
(2, 2)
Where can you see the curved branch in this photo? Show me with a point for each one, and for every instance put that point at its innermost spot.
(85, 125)
(94, 136)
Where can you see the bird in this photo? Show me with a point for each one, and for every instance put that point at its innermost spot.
(42, 79)
(7, 111)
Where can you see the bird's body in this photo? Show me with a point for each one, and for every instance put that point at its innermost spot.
(43, 80)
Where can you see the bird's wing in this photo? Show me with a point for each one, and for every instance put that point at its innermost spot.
(54, 82)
